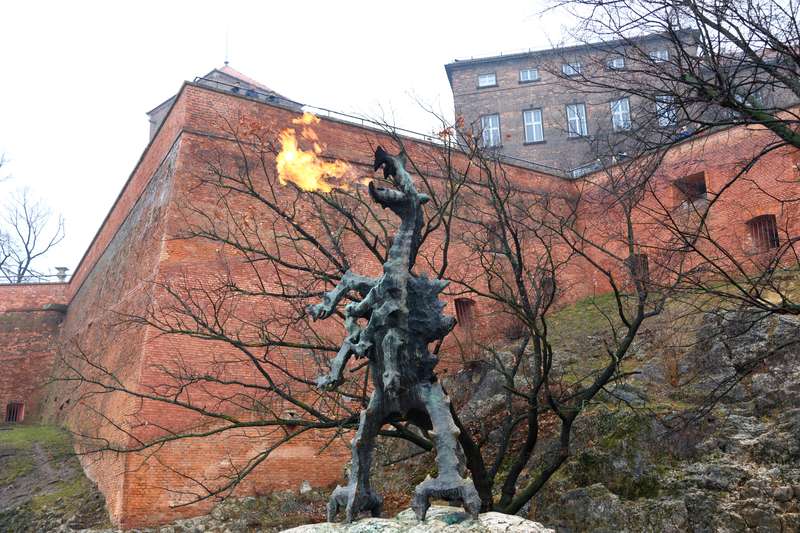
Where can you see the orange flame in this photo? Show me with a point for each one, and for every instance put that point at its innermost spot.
(305, 168)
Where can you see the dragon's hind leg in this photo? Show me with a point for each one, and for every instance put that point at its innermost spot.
(358, 496)
(448, 485)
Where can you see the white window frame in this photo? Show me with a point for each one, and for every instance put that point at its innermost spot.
(484, 78)
(616, 63)
(621, 114)
(490, 133)
(571, 69)
(576, 120)
(666, 111)
(660, 55)
(532, 126)
(532, 72)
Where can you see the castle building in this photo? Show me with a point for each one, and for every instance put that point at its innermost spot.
(566, 108)
(533, 106)
(142, 247)
(226, 79)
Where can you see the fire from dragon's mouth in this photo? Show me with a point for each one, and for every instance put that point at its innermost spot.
(306, 168)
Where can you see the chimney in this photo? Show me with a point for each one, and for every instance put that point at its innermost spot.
(61, 274)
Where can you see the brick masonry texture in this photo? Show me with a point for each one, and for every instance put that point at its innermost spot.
(136, 246)
(551, 93)
(27, 340)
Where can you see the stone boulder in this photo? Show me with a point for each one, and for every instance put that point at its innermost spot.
(439, 519)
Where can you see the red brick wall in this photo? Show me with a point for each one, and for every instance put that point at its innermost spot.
(770, 186)
(95, 331)
(135, 247)
(202, 262)
(27, 342)
(31, 296)
(30, 315)
(116, 281)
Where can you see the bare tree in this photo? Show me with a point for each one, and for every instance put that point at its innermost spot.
(514, 248)
(691, 75)
(280, 249)
(690, 69)
(695, 65)
(26, 235)
(534, 250)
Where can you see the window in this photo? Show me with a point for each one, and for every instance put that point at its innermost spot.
(639, 266)
(571, 69)
(528, 74)
(616, 63)
(764, 233)
(691, 188)
(621, 114)
(660, 56)
(665, 110)
(576, 120)
(465, 313)
(487, 80)
(490, 130)
(15, 412)
(532, 123)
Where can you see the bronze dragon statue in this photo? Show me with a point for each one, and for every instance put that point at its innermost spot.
(403, 316)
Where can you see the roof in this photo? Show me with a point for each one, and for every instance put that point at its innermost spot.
(560, 50)
(230, 73)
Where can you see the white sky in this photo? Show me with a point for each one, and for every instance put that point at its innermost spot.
(76, 78)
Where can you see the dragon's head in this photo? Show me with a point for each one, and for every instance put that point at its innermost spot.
(399, 201)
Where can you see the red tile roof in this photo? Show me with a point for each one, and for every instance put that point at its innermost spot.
(238, 75)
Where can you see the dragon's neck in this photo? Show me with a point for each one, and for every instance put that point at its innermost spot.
(403, 251)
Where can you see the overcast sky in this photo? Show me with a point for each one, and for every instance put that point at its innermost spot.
(78, 77)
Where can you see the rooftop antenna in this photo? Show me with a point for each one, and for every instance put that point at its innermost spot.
(226, 46)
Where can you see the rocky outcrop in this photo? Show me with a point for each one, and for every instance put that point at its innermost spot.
(734, 466)
(645, 459)
(440, 519)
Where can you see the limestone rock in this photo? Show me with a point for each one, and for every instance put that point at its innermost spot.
(440, 519)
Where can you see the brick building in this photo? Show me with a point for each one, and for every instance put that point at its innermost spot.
(137, 245)
(229, 80)
(532, 106)
(566, 107)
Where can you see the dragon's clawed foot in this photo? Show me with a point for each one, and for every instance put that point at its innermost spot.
(361, 348)
(354, 502)
(454, 489)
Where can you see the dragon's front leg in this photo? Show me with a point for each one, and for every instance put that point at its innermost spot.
(324, 309)
(335, 378)
(349, 282)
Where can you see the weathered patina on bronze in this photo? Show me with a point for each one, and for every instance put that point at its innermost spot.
(403, 316)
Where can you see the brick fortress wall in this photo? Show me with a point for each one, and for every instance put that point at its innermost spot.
(30, 316)
(205, 137)
(135, 246)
